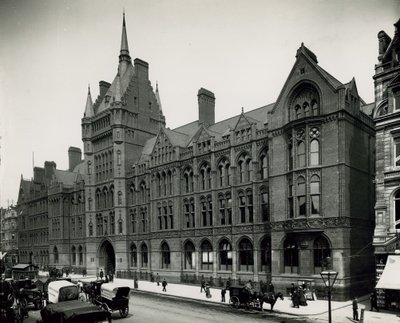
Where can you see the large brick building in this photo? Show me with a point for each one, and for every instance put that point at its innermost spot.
(266, 194)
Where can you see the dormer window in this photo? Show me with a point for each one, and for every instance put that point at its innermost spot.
(304, 102)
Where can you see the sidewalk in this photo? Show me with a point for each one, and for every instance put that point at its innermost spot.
(316, 310)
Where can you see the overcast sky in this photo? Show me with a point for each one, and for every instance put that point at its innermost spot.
(241, 50)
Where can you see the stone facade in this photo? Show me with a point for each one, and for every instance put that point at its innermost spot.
(9, 234)
(268, 194)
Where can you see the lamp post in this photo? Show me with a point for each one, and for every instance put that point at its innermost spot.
(329, 278)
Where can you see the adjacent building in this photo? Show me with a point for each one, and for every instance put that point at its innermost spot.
(268, 194)
(9, 235)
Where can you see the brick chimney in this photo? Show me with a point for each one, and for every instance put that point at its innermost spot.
(206, 101)
(38, 174)
(104, 86)
(74, 157)
(49, 168)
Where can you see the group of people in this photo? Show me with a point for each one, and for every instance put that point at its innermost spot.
(157, 279)
(108, 278)
(297, 294)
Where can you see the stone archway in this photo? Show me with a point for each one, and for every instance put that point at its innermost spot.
(107, 258)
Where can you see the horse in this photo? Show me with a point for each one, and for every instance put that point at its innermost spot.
(270, 298)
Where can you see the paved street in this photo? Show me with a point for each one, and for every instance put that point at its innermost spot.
(162, 309)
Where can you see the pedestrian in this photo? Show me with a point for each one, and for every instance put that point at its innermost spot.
(228, 284)
(157, 279)
(296, 298)
(101, 274)
(292, 289)
(374, 301)
(223, 292)
(355, 309)
(164, 285)
(152, 277)
(207, 290)
(202, 284)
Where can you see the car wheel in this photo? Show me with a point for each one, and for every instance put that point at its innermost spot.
(124, 312)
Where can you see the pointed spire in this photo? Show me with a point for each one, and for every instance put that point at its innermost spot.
(124, 52)
(158, 97)
(89, 112)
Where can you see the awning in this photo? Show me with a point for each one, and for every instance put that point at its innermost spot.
(390, 278)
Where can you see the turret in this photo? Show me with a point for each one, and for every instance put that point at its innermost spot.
(124, 57)
(89, 112)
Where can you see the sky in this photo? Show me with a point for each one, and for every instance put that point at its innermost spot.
(242, 50)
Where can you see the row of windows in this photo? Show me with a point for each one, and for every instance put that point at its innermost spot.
(103, 164)
(304, 150)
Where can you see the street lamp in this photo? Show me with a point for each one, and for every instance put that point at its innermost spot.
(329, 278)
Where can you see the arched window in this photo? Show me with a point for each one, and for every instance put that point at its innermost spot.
(265, 253)
(264, 204)
(306, 108)
(189, 256)
(314, 152)
(165, 256)
(223, 173)
(290, 152)
(301, 154)
(246, 260)
(301, 196)
(291, 256)
(73, 253)
(242, 207)
(202, 179)
(228, 199)
(315, 108)
(206, 256)
(264, 166)
(133, 255)
(290, 197)
(397, 210)
(221, 207)
(159, 185)
(209, 211)
(250, 212)
(299, 111)
(144, 255)
(242, 171)
(315, 192)
(80, 251)
(203, 204)
(321, 252)
(55, 253)
(225, 255)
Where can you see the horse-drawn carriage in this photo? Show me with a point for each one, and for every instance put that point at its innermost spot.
(27, 293)
(250, 299)
(11, 309)
(110, 296)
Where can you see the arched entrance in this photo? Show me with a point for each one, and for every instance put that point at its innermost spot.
(107, 258)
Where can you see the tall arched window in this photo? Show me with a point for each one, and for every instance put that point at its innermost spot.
(301, 154)
(242, 207)
(225, 255)
(306, 108)
(301, 196)
(291, 256)
(264, 166)
(144, 254)
(73, 253)
(397, 210)
(242, 171)
(80, 251)
(250, 212)
(221, 207)
(315, 192)
(321, 252)
(55, 253)
(133, 252)
(264, 205)
(189, 256)
(246, 260)
(206, 256)
(314, 152)
(265, 254)
(165, 256)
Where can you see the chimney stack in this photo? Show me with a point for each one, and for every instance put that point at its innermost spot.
(104, 86)
(74, 157)
(206, 101)
(49, 168)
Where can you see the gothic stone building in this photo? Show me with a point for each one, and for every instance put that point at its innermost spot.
(266, 194)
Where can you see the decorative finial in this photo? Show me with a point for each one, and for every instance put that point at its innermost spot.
(88, 88)
(242, 110)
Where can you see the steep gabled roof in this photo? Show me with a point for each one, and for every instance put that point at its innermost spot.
(65, 177)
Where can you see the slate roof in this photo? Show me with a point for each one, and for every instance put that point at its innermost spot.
(65, 177)
(368, 109)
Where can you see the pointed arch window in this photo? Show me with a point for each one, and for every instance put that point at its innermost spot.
(314, 152)
(206, 256)
(301, 154)
(315, 192)
(189, 256)
(264, 203)
(55, 253)
(165, 256)
(144, 255)
(291, 256)
(225, 255)
(301, 196)
(133, 253)
(321, 252)
(246, 260)
(264, 166)
(73, 253)
(242, 207)
(265, 254)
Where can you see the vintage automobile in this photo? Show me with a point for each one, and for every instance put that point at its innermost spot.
(112, 297)
(74, 312)
(61, 291)
(27, 293)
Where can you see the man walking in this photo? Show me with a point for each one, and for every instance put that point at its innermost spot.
(223, 292)
(157, 279)
(202, 285)
(164, 285)
(355, 309)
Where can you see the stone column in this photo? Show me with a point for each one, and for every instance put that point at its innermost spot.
(234, 264)
(214, 274)
(255, 260)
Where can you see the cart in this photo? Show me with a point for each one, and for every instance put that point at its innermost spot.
(112, 297)
(61, 291)
(241, 296)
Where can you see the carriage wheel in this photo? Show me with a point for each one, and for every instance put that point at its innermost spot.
(234, 301)
(124, 312)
